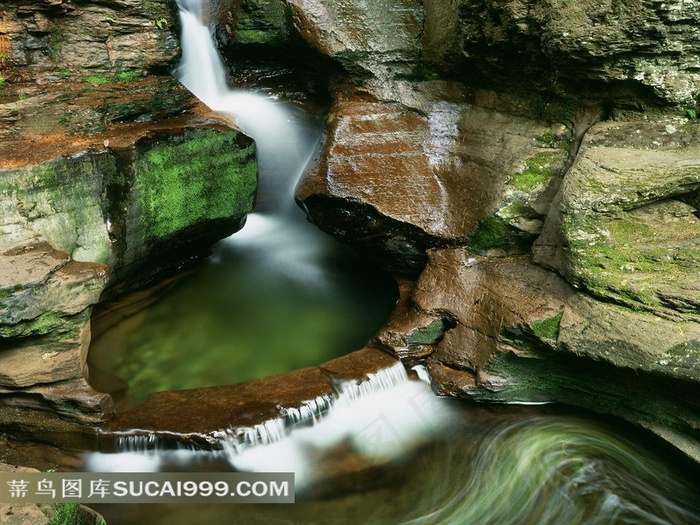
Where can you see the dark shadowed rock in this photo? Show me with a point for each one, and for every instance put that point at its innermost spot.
(627, 51)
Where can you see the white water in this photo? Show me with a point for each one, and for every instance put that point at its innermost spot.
(382, 417)
(276, 234)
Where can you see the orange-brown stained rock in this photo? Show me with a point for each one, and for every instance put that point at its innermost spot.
(204, 410)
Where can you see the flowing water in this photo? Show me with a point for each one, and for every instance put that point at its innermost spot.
(276, 296)
(386, 450)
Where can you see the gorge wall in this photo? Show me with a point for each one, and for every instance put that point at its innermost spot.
(112, 177)
(530, 170)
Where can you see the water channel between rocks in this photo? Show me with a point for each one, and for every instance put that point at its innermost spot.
(280, 295)
(276, 296)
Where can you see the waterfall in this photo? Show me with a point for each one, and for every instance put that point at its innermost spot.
(284, 136)
(545, 470)
(381, 418)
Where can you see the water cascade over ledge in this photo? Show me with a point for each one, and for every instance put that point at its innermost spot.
(532, 469)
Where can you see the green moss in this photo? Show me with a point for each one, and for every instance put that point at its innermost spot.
(629, 260)
(202, 175)
(42, 325)
(262, 22)
(127, 76)
(66, 118)
(547, 328)
(7, 292)
(96, 80)
(537, 172)
(494, 232)
(547, 138)
(3, 82)
(70, 514)
(428, 335)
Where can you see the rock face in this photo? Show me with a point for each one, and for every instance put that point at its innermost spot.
(627, 217)
(555, 230)
(49, 36)
(395, 179)
(507, 330)
(252, 22)
(609, 49)
(133, 213)
(495, 152)
(380, 38)
(105, 186)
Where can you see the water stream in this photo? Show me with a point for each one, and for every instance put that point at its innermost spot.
(276, 296)
(382, 451)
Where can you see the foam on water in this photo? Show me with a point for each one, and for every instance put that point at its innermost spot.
(381, 418)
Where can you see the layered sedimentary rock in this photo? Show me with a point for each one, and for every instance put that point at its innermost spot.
(603, 311)
(630, 51)
(51, 37)
(131, 211)
(452, 146)
(397, 178)
(110, 179)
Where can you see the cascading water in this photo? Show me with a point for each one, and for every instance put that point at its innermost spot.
(541, 470)
(276, 296)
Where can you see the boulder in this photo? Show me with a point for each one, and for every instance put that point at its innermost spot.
(625, 226)
(395, 179)
(380, 38)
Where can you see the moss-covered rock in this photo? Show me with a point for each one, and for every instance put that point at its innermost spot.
(520, 333)
(618, 230)
(59, 201)
(202, 175)
(123, 212)
(255, 22)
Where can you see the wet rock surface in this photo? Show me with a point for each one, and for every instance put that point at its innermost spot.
(420, 166)
(395, 179)
(102, 192)
(86, 37)
(509, 331)
(198, 416)
(421, 171)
